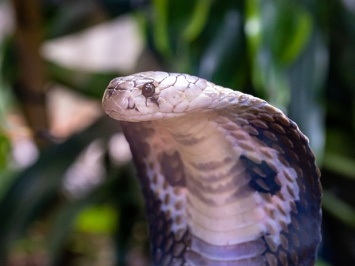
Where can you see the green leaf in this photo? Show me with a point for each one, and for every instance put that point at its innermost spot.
(198, 20)
(160, 27)
(285, 28)
(97, 219)
(218, 60)
(339, 208)
(321, 262)
(291, 31)
(340, 164)
(5, 149)
(253, 29)
(295, 39)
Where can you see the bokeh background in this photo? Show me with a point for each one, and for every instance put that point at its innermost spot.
(68, 195)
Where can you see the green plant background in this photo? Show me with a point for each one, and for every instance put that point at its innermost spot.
(298, 55)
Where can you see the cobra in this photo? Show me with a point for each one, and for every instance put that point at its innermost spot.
(228, 179)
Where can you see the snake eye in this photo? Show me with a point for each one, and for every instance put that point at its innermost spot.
(148, 90)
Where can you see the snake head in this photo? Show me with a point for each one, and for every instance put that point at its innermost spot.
(157, 95)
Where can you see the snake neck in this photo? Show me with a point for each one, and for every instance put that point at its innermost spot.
(221, 209)
(198, 138)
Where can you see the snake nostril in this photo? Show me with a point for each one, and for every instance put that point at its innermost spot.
(109, 92)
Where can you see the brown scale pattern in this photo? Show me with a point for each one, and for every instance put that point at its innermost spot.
(167, 248)
(298, 243)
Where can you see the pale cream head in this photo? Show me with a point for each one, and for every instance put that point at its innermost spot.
(157, 95)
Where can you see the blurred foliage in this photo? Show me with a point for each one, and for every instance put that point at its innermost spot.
(298, 55)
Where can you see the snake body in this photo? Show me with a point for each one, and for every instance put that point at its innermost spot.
(228, 179)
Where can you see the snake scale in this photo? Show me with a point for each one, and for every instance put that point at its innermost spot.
(228, 179)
